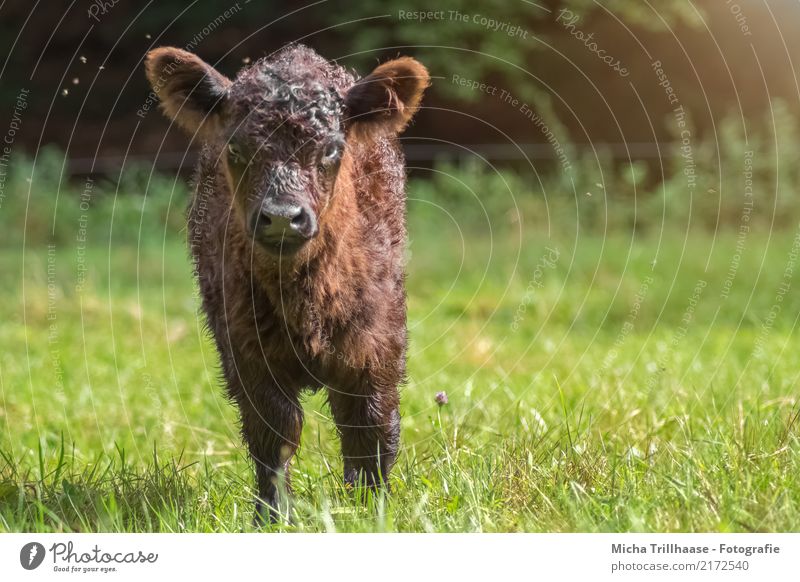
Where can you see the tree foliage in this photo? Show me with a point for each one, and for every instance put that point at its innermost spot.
(483, 40)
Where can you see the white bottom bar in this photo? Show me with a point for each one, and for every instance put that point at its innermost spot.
(388, 557)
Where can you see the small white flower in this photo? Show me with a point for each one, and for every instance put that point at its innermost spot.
(540, 423)
(633, 453)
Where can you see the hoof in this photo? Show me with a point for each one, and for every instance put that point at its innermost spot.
(264, 514)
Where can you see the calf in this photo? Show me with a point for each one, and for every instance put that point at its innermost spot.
(297, 230)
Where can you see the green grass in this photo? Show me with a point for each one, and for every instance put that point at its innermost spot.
(604, 372)
(588, 414)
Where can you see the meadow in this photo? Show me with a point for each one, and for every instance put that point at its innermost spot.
(604, 370)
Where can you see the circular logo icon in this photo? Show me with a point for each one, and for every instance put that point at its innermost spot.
(31, 555)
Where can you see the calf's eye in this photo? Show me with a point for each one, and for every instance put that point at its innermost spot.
(330, 155)
(235, 154)
(331, 151)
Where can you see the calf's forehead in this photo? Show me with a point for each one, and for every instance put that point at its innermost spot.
(302, 104)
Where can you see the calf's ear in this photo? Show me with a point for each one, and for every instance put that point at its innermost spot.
(191, 91)
(387, 99)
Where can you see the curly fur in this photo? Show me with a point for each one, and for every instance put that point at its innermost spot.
(332, 315)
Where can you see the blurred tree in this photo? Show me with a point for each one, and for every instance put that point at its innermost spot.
(482, 39)
(511, 44)
(86, 73)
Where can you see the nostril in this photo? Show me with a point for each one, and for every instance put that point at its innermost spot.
(300, 220)
(260, 220)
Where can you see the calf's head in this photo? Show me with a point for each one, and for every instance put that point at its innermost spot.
(284, 127)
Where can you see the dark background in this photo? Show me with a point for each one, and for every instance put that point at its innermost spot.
(718, 72)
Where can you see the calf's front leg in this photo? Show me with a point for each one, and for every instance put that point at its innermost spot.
(368, 422)
(272, 422)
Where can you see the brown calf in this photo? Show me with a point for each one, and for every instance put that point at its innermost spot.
(297, 229)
